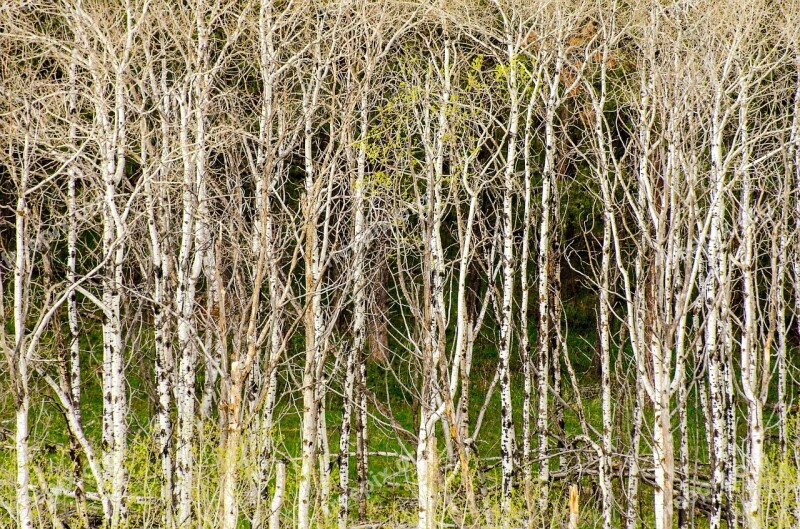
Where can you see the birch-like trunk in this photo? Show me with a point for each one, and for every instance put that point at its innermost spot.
(353, 370)
(632, 486)
(604, 476)
(24, 512)
(73, 378)
(544, 275)
(161, 261)
(604, 295)
(685, 504)
(362, 469)
(278, 496)
(189, 269)
(716, 277)
(313, 319)
(309, 429)
(163, 350)
(18, 358)
(114, 395)
(434, 309)
(663, 450)
(524, 339)
(507, 435)
(344, 439)
(756, 345)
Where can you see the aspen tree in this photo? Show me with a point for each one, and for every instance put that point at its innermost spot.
(26, 139)
(316, 224)
(436, 99)
(188, 269)
(205, 186)
(358, 77)
(162, 260)
(543, 286)
(72, 383)
(513, 36)
(18, 355)
(759, 321)
(717, 287)
(552, 99)
(275, 138)
(109, 70)
(792, 164)
(524, 340)
(603, 168)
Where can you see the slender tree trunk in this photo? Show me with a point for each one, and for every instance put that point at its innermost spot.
(713, 325)
(231, 445)
(114, 398)
(309, 432)
(632, 509)
(685, 504)
(353, 376)
(277, 498)
(344, 439)
(604, 308)
(524, 339)
(663, 451)
(507, 435)
(19, 355)
(544, 275)
(24, 511)
(163, 350)
(313, 319)
(434, 310)
(755, 361)
(189, 267)
(362, 472)
(73, 384)
(604, 476)
(731, 444)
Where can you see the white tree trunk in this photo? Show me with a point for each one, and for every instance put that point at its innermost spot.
(158, 226)
(314, 331)
(277, 498)
(507, 435)
(344, 440)
(19, 355)
(362, 438)
(755, 356)
(73, 384)
(663, 451)
(114, 398)
(632, 493)
(604, 302)
(188, 272)
(715, 278)
(524, 339)
(544, 273)
(24, 512)
(230, 450)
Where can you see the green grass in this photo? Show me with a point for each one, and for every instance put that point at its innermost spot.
(392, 489)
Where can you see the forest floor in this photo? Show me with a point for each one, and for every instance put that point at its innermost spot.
(391, 463)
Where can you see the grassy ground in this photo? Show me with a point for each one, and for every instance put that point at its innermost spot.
(391, 479)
